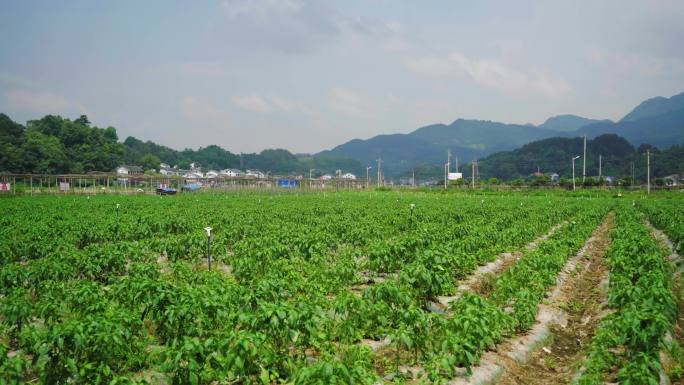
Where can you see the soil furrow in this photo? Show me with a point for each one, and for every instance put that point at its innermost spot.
(552, 350)
(477, 280)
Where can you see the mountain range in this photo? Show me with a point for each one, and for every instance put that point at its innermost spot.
(54, 144)
(658, 121)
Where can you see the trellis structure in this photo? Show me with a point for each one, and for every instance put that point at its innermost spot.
(110, 183)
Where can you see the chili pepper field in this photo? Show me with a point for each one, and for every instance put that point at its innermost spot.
(336, 288)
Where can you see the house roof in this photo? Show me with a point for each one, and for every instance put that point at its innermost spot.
(131, 167)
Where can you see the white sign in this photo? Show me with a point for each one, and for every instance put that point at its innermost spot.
(455, 175)
(63, 186)
(5, 187)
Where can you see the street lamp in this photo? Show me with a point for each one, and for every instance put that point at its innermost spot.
(573, 172)
(367, 176)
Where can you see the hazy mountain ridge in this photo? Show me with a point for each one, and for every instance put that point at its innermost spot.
(467, 139)
(569, 122)
(470, 139)
(655, 106)
(46, 145)
(662, 131)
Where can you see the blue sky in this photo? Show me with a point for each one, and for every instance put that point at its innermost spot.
(307, 75)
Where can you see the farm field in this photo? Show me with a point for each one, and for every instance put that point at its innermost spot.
(340, 288)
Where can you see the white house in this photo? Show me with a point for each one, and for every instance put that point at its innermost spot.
(129, 170)
(164, 165)
(673, 180)
(211, 174)
(349, 176)
(255, 174)
(168, 171)
(232, 173)
(193, 174)
(326, 177)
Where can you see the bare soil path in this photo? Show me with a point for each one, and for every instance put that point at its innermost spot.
(551, 353)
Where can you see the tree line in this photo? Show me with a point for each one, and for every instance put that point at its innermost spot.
(57, 145)
(618, 159)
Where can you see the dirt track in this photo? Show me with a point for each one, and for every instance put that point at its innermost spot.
(582, 300)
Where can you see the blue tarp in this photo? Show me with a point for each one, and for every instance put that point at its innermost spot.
(288, 183)
(192, 186)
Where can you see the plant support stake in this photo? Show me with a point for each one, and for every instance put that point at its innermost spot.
(412, 206)
(208, 230)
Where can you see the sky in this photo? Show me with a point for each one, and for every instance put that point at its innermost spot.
(307, 75)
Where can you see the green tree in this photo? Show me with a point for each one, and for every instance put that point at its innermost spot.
(43, 154)
(184, 164)
(149, 162)
(10, 131)
(541, 180)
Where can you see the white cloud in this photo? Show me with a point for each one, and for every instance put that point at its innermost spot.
(490, 73)
(291, 26)
(295, 26)
(352, 103)
(196, 110)
(265, 104)
(251, 103)
(283, 104)
(41, 102)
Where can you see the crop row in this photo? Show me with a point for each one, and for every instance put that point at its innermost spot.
(84, 300)
(627, 344)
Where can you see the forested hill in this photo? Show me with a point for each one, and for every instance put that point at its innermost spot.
(554, 156)
(56, 145)
(569, 123)
(217, 158)
(657, 121)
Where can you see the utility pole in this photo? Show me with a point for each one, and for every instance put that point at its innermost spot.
(456, 164)
(600, 160)
(648, 171)
(379, 170)
(584, 160)
(573, 172)
(473, 176)
(477, 171)
(445, 176)
(368, 176)
(413, 177)
(448, 161)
